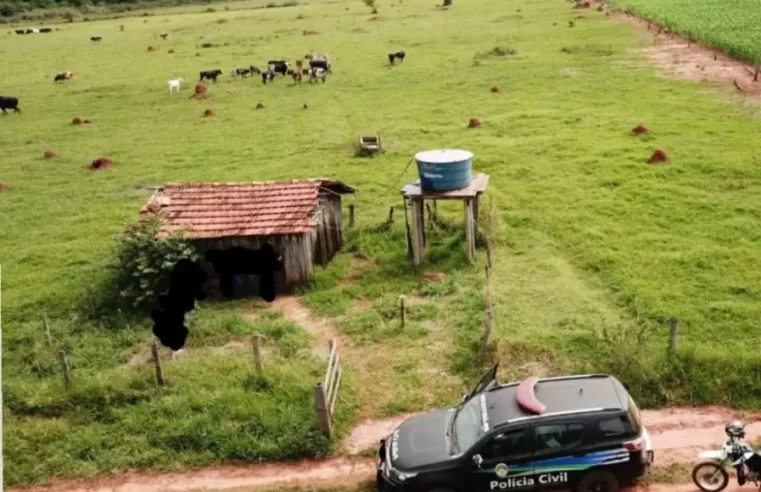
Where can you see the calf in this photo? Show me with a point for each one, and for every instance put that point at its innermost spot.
(316, 74)
(242, 72)
(46, 30)
(175, 84)
(67, 75)
(96, 39)
(9, 103)
(396, 55)
(210, 75)
(254, 70)
(278, 66)
(268, 76)
(296, 77)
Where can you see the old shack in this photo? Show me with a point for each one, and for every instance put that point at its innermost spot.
(301, 219)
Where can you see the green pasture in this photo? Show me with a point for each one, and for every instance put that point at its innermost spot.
(594, 249)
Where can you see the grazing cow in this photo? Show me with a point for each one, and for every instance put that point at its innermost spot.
(164, 35)
(242, 72)
(175, 84)
(67, 75)
(20, 31)
(29, 31)
(46, 30)
(96, 39)
(210, 75)
(321, 64)
(398, 55)
(278, 66)
(316, 74)
(9, 103)
(296, 77)
(268, 77)
(254, 70)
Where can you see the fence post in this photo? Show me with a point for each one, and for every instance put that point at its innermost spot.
(256, 342)
(320, 405)
(65, 369)
(351, 215)
(391, 215)
(402, 308)
(160, 380)
(46, 324)
(673, 337)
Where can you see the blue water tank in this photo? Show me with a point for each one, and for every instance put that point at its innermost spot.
(444, 169)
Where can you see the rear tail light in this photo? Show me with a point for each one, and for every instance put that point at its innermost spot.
(635, 445)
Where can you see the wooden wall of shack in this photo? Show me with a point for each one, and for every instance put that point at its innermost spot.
(300, 252)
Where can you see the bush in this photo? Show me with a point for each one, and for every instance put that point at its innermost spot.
(145, 261)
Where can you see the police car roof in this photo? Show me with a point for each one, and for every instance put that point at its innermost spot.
(572, 394)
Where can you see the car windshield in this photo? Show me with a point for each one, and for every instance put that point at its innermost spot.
(469, 423)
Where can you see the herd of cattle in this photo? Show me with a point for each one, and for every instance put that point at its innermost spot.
(34, 30)
(319, 66)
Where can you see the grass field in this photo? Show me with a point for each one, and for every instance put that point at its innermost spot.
(595, 250)
(732, 27)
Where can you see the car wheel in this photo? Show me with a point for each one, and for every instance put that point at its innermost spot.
(598, 481)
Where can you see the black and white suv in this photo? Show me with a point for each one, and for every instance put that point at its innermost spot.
(582, 433)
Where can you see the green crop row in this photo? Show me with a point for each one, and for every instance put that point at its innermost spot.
(732, 26)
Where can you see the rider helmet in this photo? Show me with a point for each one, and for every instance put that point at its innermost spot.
(735, 429)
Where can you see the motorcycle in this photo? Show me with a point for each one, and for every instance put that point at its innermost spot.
(710, 475)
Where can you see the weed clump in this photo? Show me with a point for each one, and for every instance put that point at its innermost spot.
(474, 123)
(208, 112)
(640, 130)
(49, 154)
(100, 163)
(658, 157)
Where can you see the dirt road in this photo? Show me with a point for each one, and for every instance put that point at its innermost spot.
(678, 435)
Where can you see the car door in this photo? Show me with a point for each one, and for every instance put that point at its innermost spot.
(560, 453)
(503, 461)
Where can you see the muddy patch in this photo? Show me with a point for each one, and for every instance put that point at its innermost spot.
(369, 433)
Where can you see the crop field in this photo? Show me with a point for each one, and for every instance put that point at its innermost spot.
(732, 26)
(594, 249)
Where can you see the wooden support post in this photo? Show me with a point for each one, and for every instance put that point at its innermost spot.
(430, 215)
(256, 343)
(65, 369)
(417, 247)
(421, 224)
(321, 407)
(160, 379)
(435, 210)
(391, 215)
(673, 337)
(402, 308)
(46, 324)
(469, 239)
(475, 216)
(351, 215)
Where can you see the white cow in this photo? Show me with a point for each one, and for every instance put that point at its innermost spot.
(175, 84)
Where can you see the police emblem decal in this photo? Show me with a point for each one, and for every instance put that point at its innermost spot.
(501, 470)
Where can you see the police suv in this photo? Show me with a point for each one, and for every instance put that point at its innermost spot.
(582, 433)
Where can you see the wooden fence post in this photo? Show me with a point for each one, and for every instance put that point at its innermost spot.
(160, 379)
(320, 405)
(46, 324)
(351, 215)
(391, 215)
(65, 369)
(673, 337)
(256, 342)
(402, 308)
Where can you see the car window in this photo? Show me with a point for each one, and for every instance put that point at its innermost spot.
(507, 445)
(615, 427)
(558, 436)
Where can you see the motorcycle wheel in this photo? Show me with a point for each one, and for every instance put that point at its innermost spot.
(710, 477)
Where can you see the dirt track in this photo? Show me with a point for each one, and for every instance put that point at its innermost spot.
(677, 433)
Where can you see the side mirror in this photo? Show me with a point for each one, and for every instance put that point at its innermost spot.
(477, 460)
(464, 397)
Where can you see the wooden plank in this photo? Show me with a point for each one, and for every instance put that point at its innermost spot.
(321, 408)
(475, 216)
(334, 398)
(421, 225)
(333, 346)
(477, 185)
(469, 239)
(416, 239)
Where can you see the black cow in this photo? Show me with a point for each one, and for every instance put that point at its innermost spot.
(268, 76)
(30, 31)
(314, 64)
(46, 29)
(210, 75)
(304, 71)
(20, 31)
(96, 39)
(278, 66)
(9, 103)
(399, 55)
